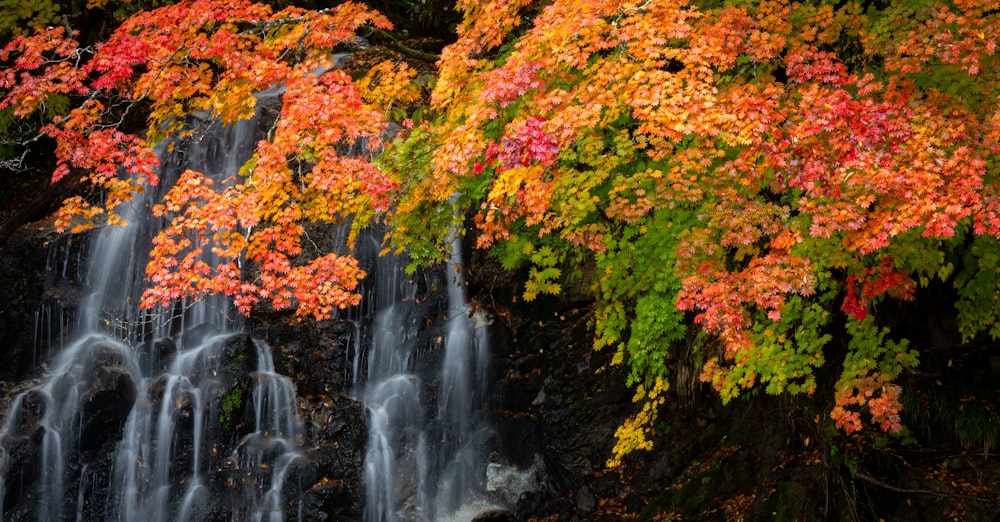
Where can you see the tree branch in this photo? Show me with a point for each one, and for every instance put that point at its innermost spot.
(389, 40)
(864, 476)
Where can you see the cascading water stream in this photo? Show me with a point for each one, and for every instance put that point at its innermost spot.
(173, 414)
(464, 388)
(426, 457)
(160, 386)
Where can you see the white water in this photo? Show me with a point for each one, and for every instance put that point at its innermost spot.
(423, 378)
(172, 362)
(426, 459)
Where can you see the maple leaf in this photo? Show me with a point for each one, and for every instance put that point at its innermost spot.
(733, 169)
(800, 160)
(207, 55)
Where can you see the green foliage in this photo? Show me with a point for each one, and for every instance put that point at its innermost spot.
(977, 426)
(436, 18)
(543, 274)
(122, 9)
(949, 80)
(978, 285)
(7, 118)
(636, 289)
(19, 17)
(928, 259)
(871, 366)
(956, 405)
(790, 349)
(420, 227)
(871, 353)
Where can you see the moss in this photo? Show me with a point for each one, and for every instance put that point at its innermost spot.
(239, 357)
(22, 288)
(694, 490)
(230, 405)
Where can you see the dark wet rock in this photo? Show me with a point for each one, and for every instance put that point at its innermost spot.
(107, 401)
(28, 414)
(555, 409)
(318, 359)
(157, 355)
(197, 335)
(21, 455)
(495, 515)
(91, 482)
(327, 500)
(38, 297)
(585, 501)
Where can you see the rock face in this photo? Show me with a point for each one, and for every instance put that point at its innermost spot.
(556, 405)
(40, 267)
(758, 458)
(38, 296)
(103, 403)
(107, 398)
(314, 356)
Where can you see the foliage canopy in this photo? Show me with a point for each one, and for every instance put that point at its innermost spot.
(750, 179)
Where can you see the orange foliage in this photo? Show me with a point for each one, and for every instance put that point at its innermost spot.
(794, 161)
(206, 55)
(779, 149)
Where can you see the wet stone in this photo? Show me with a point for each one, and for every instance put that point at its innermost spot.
(495, 515)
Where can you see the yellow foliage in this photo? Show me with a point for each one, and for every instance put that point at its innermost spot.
(635, 432)
(389, 83)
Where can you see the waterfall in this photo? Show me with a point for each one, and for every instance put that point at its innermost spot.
(145, 400)
(177, 414)
(426, 456)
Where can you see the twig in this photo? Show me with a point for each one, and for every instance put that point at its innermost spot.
(910, 491)
(389, 40)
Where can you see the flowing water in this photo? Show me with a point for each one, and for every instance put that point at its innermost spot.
(426, 388)
(164, 392)
(156, 385)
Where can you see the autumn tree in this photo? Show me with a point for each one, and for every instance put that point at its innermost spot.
(212, 57)
(748, 179)
(759, 173)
